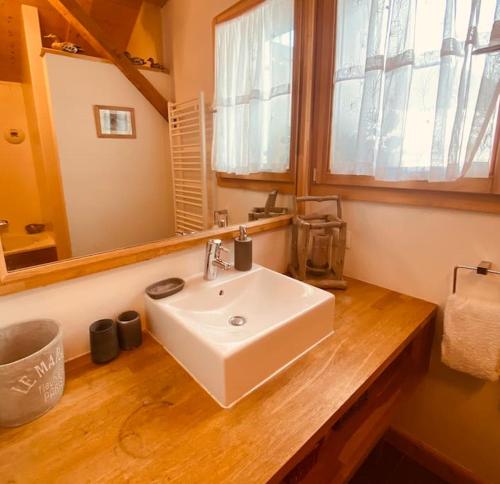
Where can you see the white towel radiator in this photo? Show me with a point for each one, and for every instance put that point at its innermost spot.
(189, 164)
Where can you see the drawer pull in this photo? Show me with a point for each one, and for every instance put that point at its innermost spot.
(357, 406)
(300, 471)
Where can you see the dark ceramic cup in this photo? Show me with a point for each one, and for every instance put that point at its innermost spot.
(103, 341)
(129, 330)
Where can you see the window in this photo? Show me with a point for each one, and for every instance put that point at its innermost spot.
(411, 100)
(253, 90)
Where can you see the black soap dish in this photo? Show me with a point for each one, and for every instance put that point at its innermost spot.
(165, 288)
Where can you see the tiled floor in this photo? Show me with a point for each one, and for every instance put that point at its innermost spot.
(386, 465)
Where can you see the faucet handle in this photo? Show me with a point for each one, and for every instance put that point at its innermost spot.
(215, 247)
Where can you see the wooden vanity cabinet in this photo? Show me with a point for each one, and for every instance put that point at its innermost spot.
(32, 258)
(146, 419)
(338, 450)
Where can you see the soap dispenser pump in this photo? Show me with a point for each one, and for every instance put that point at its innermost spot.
(243, 250)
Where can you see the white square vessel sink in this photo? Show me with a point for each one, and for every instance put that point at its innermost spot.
(282, 319)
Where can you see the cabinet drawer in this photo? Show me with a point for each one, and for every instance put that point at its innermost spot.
(31, 258)
(349, 440)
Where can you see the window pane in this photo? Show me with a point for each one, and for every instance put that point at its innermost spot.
(411, 102)
(253, 95)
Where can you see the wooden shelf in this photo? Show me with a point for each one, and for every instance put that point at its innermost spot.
(46, 50)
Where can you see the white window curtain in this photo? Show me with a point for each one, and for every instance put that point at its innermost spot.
(411, 102)
(253, 72)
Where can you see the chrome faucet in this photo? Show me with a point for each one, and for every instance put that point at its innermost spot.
(213, 259)
(4, 224)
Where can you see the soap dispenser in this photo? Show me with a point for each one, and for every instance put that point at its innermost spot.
(243, 250)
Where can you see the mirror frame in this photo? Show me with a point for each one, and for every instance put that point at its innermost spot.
(42, 275)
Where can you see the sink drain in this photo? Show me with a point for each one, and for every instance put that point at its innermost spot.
(237, 320)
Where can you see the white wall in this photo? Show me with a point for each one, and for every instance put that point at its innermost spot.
(188, 44)
(413, 250)
(117, 191)
(79, 302)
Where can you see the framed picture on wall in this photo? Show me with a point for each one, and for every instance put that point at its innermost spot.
(114, 122)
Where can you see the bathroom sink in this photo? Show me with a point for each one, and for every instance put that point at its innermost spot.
(234, 333)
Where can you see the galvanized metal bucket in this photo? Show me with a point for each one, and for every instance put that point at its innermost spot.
(31, 370)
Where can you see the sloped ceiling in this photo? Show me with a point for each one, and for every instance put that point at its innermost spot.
(116, 17)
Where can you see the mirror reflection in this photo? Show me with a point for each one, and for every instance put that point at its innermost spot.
(91, 161)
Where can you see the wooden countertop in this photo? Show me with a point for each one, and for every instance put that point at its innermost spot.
(142, 418)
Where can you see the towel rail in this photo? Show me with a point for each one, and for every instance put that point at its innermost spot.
(189, 164)
(483, 269)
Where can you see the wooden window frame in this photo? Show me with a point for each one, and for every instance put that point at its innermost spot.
(285, 182)
(482, 194)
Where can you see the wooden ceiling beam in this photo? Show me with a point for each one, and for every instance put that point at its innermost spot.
(88, 28)
(160, 3)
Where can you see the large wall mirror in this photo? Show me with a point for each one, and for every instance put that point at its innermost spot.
(88, 165)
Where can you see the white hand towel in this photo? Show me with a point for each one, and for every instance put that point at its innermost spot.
(471, 337)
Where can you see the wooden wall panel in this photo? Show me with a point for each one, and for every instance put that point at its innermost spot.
(10, 41)
(116, 17)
